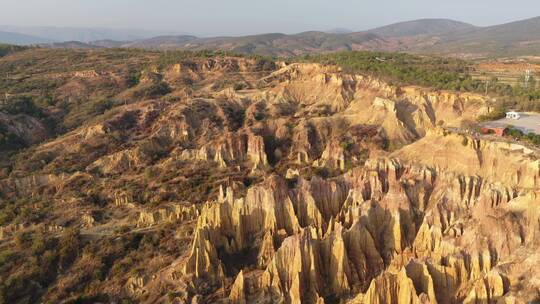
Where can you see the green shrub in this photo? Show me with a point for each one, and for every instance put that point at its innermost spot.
(156, 147)
(22, 105)
(150, 173)
(133, 78)
(69, 246)
(400, 68)
(515, 133)
(10, 141)
(519, 135)
(6, 49)
(22, 240)
(265, 64)
(6, 256)
(154, 90)
(498, 113)
(101, 106)
(322, 172)
(347, 145)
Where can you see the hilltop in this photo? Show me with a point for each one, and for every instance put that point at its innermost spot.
(432, 36)
(421, 27)
(510, 39)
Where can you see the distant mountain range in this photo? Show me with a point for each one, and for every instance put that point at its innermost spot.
(86, 35)
(440, 36)
(421, 27)
(514, 38)
(21, 39)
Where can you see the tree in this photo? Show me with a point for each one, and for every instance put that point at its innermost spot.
(23, 105)
(70, 243)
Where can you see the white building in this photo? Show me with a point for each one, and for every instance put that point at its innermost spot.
(513, 115)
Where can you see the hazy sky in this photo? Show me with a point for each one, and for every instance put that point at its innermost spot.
(236, 17)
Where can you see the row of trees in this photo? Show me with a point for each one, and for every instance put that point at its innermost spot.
(519, 135)
(523, 96)
(403, 69)
(6, 49)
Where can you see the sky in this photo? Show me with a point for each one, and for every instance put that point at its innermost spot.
(242, 17)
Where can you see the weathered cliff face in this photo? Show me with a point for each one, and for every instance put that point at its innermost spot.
(404, 113)
(230, 150)
(391, 232)
(305, 185)
(509, 163)
(119, 162)
(314, 109)
(168, 214)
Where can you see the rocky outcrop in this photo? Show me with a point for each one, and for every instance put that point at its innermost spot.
(169, 214)
(232, 150)
(333, 264)
(26, 185)
(122, 198)
(86, 74)
(119, 162)
(203, 263)
(333, 157)
(357, 236)
(417, 109)
(503, 162)
(94, 131)
(88, 220)
(237, 294)
(256, 152)
(273, 211)
(449, 107)
(136, 285)
(488, 289)
(392, 288)
(10, 230)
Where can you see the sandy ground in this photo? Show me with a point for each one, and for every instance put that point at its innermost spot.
(528, 123)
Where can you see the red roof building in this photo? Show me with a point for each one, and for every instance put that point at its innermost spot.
(498, 131)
